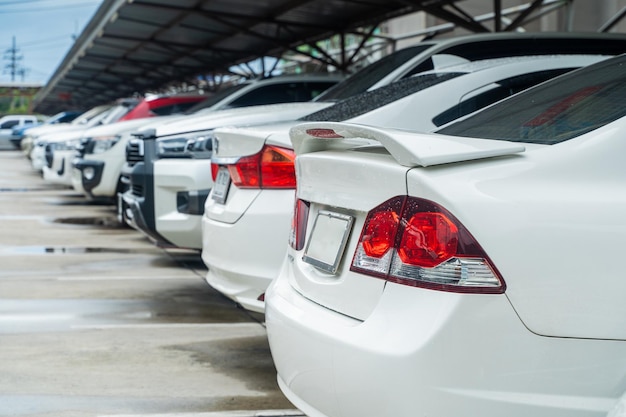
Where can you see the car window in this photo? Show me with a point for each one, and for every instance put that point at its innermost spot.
(497, 91)
(370, 100)
(173, 108)
(117, 113)
(567, 107)
(277, 93)
(9, 124)
(65, 118)
(309, 91)
(216, 98)
(371, 74)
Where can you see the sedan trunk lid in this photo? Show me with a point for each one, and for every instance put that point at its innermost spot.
(343, 172)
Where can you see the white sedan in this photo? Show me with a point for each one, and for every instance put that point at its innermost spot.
(251, 204)
(472, 272)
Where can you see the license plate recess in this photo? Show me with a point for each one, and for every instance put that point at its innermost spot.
(221, 186)
(327, 241)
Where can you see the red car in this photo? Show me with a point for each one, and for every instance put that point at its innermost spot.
(162, 106)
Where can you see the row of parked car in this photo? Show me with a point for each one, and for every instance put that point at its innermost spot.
(437, 234)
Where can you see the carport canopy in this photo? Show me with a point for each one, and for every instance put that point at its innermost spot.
(136, 46)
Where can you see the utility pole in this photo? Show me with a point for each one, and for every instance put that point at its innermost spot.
(13, 67)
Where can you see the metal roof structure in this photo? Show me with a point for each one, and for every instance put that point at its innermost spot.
(135, 46)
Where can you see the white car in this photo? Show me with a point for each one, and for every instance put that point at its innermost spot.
(248, 211)
(95, 172)
(98, 168)
(166, 195)
(470, 272)
(34, 133)
(179, 226)
(50, 138)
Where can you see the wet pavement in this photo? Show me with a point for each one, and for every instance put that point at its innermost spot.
(97, 321)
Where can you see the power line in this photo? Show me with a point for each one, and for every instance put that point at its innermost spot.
(11, 2)
(48, 40)
(43, 9)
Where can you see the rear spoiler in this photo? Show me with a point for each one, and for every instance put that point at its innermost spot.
(407, 148)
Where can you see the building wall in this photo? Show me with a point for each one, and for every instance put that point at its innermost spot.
(581, 15)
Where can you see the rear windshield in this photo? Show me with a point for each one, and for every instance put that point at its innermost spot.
(371, 74)
(370, 100)
(565, 108)
(499, 90)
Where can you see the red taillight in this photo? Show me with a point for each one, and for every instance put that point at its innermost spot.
(428, 240)
(416, 242)
(246, 172)
(214, 169)
(380, 232)
(277, 168)
(273, 167)
(298, 224)
(380, 229)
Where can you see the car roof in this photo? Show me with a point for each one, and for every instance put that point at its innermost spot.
(486, 64)
(484, 69)
(489, 45)
(250, 85)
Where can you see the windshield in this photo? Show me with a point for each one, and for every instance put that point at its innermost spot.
(365, 78)
(90, 114)
(569, 106)
(116, 113)
(216, 98)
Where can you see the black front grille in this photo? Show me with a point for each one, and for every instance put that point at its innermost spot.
(137, 190)
(49, 155)
(81, 148)
(134, 152)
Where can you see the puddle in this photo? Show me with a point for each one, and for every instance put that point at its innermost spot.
(173, 304)
(247, 359)
(43, 250)
(20, 190)
(107, 222)
(81, 202)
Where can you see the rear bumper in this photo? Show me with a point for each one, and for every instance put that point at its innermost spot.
(260, 237)
(424, 352)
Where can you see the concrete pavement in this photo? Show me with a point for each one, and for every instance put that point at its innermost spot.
(96, 321)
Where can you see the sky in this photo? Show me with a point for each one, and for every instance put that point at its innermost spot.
(44, 32)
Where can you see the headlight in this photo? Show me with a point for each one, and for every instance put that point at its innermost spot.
(201, 146)
(171, 147)
(67, 145)
(99, 144)
(183, 146)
